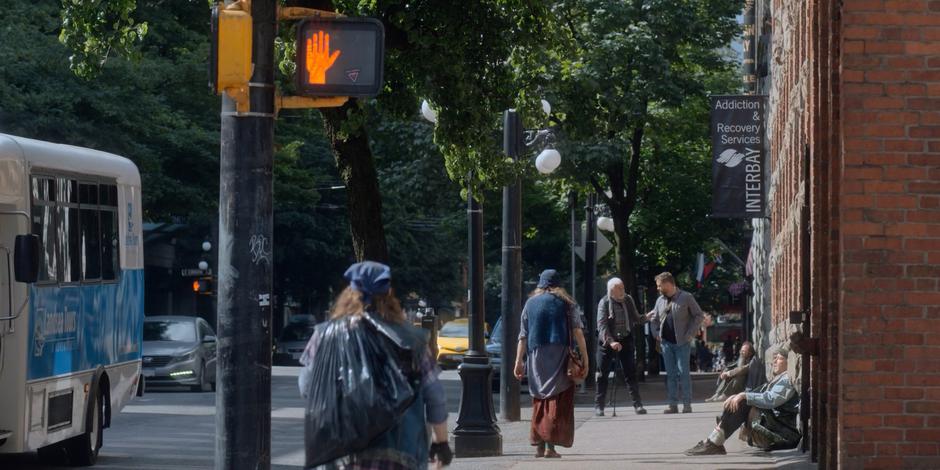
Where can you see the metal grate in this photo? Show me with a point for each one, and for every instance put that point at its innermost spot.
(156, 361)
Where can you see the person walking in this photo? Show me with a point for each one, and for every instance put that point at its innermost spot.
(406, 445)
(675, 320)
(549, 326)
(617, 319)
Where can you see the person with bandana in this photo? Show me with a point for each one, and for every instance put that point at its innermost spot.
(407, 444)
(550, 325)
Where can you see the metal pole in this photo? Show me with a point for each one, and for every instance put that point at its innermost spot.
(476, 434)
(511, 306)
(590, 269)
(243, 421)
(572, 202)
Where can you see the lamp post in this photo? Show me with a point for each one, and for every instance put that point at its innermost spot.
(515, 141)
(476, 434)
(590, 270)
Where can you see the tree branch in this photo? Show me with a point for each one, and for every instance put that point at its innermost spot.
(600, 190)
(636, 146)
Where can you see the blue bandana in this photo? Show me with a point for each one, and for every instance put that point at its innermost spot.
(548, 278)
(369, 278)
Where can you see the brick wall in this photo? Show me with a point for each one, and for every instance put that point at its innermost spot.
(854, 91)
(890, 234)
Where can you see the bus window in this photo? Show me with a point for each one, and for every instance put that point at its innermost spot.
(69, 231)
(90, 231)
(109, 232)
(43, 222)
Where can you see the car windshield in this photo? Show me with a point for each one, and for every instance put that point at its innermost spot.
(455, 330)
(170, 330)
(297, 332)
(496, 336)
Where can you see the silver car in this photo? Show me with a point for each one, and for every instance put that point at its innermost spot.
(179, 350)
(290, 344)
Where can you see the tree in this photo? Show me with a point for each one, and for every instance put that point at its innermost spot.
(422, 42)
(617, 69)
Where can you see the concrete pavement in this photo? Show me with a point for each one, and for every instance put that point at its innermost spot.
(627, 441)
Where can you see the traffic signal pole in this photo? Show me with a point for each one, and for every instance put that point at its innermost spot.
(243, 398)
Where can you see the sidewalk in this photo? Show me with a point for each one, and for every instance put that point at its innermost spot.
(652, 441)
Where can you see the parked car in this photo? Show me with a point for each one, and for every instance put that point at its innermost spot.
(453, 340)
(179, 350)
(494, 348)
(290, 344)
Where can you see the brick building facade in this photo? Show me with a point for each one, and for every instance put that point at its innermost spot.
(853, 128)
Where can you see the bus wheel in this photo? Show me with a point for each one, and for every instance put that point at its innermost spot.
(83, 449)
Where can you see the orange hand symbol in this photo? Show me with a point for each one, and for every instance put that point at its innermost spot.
(319, 59)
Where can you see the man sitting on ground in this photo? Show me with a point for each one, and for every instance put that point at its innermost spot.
(769, 415)
(735, 380)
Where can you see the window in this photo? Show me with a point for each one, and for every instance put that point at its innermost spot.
(110, 263)
(90, 231)
(170, 330)
(77, 224)
(69, 231)
(44, 225)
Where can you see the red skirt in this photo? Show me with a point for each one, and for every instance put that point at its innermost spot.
(553, 419)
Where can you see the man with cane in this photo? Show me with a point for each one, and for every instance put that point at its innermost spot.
(617, 318)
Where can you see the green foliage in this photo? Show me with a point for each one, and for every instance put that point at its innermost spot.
(457, 58)
(93, 30)
(422, 211)
(155, 112)
(628, 76)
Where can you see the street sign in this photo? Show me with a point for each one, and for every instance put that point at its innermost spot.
(194, 272)
(603, 245)
(340, 56)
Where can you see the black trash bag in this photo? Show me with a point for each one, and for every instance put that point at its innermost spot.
(358, 389)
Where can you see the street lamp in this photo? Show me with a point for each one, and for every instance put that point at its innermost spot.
(477, 433)
(516, 141)
(605, 223)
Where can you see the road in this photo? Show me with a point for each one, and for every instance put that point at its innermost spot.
(176, 429)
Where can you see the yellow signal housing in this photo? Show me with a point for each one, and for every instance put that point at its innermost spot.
(231, 48)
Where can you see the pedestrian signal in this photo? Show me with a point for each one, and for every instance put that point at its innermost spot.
(340, 56)
(230, 50)
(202, 286)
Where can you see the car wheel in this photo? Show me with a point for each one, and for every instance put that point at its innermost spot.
(204, 384)
(83, 449)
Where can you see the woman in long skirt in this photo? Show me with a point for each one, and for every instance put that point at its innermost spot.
(549, 327)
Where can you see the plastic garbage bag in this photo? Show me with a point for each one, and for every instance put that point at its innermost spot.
(357, 389)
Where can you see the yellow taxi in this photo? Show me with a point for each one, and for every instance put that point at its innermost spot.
(453, 340)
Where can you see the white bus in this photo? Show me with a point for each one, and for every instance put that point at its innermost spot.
(71, 296)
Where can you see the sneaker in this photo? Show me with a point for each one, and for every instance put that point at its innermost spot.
(708, 448)
(686, 408)
(598, 411)
(639, 409)
(698, 447)
(673, 409)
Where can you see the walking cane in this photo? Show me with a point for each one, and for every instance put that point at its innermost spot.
(613, 397)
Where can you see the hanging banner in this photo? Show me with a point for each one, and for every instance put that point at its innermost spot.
(739, 183)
